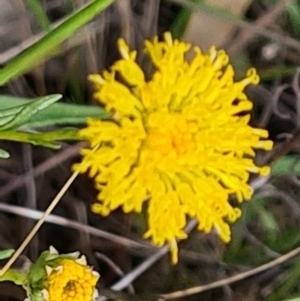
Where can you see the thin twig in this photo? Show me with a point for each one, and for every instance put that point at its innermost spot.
(114, 267)
(241, 276)
(42, 168)
(144, 266)
(147, 248)
(265, 20)
(39, 224)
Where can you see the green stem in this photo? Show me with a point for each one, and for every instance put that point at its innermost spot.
(48, 44)
(14, 276)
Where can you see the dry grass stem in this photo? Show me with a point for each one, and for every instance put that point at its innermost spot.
(229, 280)
(38, 224)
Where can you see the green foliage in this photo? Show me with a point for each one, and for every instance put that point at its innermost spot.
(4, 154)
(42, 139)
(15, 117)
(37, 274)
(47, 46)
(273, 233)
(18, 278)
(293, 12)
(279, 243)
(238, 251)
(266, 219)
(291, 279)
(293, 299)
(181, 21)
(277, 72)
(33, 278)
(4, 254)
(285, 165)
(39, 13)
(56, 114)
(19, 119)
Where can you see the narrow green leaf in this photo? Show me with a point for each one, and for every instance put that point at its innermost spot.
(39, 13)
(48, 139)
(66, 114)
(181, 21)
(56, 114)
(293, 11)
(211, 9)
(29, 110)
(179, 25)
(8, 102)
(47, 45)
(277, 72)
(10, 107)
(10, 112)
(288, 283)
(6, 253)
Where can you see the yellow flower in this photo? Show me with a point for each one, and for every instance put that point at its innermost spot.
(179, 142)
(71, 280)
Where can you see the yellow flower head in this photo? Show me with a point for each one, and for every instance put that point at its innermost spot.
(71, 280)
(179, 142)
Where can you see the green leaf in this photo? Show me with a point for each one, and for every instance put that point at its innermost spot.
(182, 20)
(56, 114)
(26, 111)
(66, 114)
(289, 281)
(277, 72)
(180, 23)
(18, 278)
(268, 221)
(285, 165)
(48, 139)
(37, 270)
(39, 13)
(6, 253)
(293, 299)
(293, 12)
(284, 241)
(47, 46)
(4, 154)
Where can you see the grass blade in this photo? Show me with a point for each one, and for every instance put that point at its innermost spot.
(39, 13)
(49, 43)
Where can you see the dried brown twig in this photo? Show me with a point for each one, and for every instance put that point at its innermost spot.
(42, 168)
(246, 35)
(71, 224)
(229, 280)
(252, 27)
